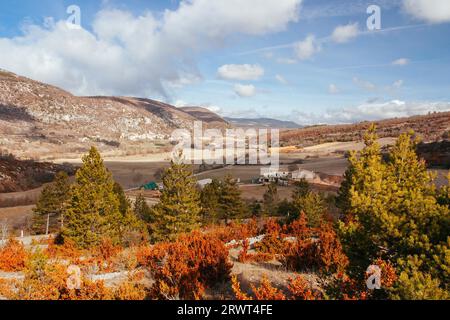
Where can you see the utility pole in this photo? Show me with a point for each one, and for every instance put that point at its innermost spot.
(48, 223)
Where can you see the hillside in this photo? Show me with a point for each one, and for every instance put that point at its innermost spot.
(18, 175)
(207, 116)
(262, 123)
(38, 120)
(431, 127)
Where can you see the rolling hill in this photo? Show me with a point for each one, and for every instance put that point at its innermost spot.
(42, 121)
(431, 127)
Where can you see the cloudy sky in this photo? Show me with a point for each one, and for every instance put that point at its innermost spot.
(309, 61)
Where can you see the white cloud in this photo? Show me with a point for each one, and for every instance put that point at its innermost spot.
(281, 79)
(343, 34)
(372, 112)
(333, 89)
(125, 54)
(307, 48)
(245, 91)
(400, 62)
(240, 72)
(367, 85)
(433, 11)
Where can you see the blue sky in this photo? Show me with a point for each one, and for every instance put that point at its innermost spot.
(310, 61)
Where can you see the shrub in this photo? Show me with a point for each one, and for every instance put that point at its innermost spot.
(273, 241)
(185, 268)
(265, 291)
(12, 256)
(299, 289)
(318, 249)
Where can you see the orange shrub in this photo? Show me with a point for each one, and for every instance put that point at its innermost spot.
(236, 286)
(107, 250)
(245, 256)
(329, 250)
(131, 289)
(299, 289)
(273, 240)
(318, 249)
(388, 273)
(265, 291)
(12, 256)
(235, 231)
(184, 268)
(68, 250)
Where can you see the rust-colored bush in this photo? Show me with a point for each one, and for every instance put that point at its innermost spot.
(318, 249)
(12, 256)
(299, 289)
(273, 240)
(244, 256)
(131, 289)
(265, 291)
(329, 250)
(68, 250)
(48, 281)
(185, 268)
(388, 273)
(235, 231)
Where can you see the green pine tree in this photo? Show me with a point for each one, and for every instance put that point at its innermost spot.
(93, 208)
(230, 203)
(313, 206)
(271, 199)
(51, 205)
(209, 197)
(124, 202)
(301, 189)
(179, 208)
(394, 215)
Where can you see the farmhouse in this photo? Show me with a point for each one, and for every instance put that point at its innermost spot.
(303, 174)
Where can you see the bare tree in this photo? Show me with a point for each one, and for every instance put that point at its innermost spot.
(4, 229)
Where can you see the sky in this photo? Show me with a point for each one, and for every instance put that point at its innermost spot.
(308, 61)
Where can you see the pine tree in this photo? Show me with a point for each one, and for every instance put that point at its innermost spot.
(51, 205)
(142, 209)
(302, 188)
(93, 208)
(124, 202)
(179, 208)
(271, 199)
(394, 215)
(209, 197)
(313, 206)
(231, 204)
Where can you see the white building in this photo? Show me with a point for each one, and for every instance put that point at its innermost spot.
(303, 174)
(203, 183)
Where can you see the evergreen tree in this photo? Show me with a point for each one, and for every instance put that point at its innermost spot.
(302, 188)
(51, 205)
(394, 215)
(93, 208)
(210, 196)
(142, 209)
(179, 208)
(313, 206)
(124, 202)
(230, 203)
(270, 199)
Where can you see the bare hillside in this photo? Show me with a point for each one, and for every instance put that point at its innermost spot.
(38, 120)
